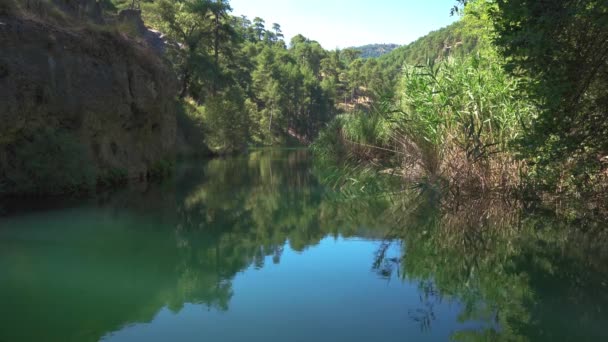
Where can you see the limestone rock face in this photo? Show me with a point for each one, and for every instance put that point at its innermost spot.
(133, 17)
(115, 96)
(154, 39)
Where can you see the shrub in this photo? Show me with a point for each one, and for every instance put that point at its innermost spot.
(191, 126)
(162, 169)
(366, 128)
(227, 122)
(52, 162)
(113, 177)
(357, 136)
(560, 48)
(328, 145)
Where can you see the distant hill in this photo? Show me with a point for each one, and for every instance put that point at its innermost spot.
(375, 50)
(447, 41)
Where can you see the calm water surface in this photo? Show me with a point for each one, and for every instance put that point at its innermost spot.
(256, 248)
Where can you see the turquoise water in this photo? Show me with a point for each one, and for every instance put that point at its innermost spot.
(259, 248)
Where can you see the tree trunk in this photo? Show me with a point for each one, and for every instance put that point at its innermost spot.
(270, 124)
(216, 52)
(185, 82)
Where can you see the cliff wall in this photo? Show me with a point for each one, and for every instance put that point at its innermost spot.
(79, 100)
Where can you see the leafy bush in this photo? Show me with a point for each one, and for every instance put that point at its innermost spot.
(351, 139)
(113, 177)
(52, 162)
(366, 128)
(227, 122)
(162, 169)
(328, 145)
(560, 48)
(191, 126)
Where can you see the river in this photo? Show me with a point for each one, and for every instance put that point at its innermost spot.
(259, 247)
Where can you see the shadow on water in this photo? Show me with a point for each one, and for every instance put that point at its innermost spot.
(82, 272)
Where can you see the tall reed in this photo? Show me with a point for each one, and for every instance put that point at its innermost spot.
(451, 125)
(454, 121)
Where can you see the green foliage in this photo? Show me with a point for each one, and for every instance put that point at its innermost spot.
(118, 4)
(328, 147)
(161, 169)
(477, 22)
(453, 40)
(548, 109)
(366, 128)
(191, 125)
(459, 108)
(227, 122)
(454, 120)
(244, 82)
(448, 107)
(292, 95)
(111, 5)
(375, 50)
(349, 140)
(113, 177)
(559, 49)
(471, 99)
(51, 162)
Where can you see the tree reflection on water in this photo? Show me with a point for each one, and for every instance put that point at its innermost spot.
(525, 273)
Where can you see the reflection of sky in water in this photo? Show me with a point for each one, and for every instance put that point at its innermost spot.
(326, 293)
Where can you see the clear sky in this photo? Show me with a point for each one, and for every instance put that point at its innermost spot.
(345, 23)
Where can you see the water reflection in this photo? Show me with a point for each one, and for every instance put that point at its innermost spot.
(82, 273)
(529, 274)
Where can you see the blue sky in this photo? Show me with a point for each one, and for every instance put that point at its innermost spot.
(344, 23)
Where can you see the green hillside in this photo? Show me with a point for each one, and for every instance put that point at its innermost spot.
(451, 40)
(448, 41)
(375, 50)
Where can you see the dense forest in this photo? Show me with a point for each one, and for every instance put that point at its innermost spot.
(242, 83)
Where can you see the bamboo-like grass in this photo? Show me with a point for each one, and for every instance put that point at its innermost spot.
(452, 127)
(458, 119)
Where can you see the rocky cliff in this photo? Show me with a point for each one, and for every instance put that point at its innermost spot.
(105, 101)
